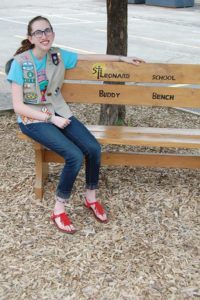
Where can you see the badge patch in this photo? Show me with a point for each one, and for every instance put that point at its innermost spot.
(28, 66)
(57, 91)
(55, 58)
(30, 98)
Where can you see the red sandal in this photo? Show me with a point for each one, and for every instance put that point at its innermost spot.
(98, 210)
(63, 222)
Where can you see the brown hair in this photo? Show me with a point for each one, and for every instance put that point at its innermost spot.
(26, 44)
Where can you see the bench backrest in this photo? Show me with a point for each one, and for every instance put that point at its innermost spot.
(170, 85)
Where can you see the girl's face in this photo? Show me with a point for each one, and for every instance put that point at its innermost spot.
(42, 35)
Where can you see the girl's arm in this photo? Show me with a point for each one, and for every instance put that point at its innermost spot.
(25, 110)
(106, 57)
(22, 109)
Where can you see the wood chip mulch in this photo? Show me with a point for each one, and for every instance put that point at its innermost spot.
(148, 250)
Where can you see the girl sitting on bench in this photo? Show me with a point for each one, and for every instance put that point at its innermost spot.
(37, 73)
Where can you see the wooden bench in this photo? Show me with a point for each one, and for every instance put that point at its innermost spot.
(166, 85)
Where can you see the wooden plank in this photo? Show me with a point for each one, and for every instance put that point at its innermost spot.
(149, 141)
(41, 170)
(146, 130)
(139, 159)
(131, 95)
(147, 72)
(142, 136)
(194, 132)
(151, 160)
(24, 137)
(50, 156)
(156, 138)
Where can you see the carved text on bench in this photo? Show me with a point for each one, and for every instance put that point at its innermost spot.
(163, 77)
(162, 97)
(108, 94)
(99, 70)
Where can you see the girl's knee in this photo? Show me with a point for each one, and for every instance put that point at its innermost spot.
(74, 158)
(77, 159)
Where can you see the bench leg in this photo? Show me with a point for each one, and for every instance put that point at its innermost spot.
(41, 169)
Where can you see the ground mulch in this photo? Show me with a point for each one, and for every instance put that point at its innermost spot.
(148, 250)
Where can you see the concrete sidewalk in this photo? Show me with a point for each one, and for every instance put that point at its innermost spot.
(156, 34)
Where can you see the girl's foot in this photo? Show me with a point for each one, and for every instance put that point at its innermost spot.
(63, 223)
(97, 210)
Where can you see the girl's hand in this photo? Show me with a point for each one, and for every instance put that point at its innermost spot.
(131, 60)
(60, 121)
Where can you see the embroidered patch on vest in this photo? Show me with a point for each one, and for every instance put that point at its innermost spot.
(57, 91)
(28, 66)
(30, 98)
(45, 110)
(28, 72)
(55, 58)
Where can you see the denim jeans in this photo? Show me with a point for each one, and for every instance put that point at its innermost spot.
(72, 143)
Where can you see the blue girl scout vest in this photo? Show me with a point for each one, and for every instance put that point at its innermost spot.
(32, 96)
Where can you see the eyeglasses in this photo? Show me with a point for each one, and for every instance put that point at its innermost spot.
(39, 33)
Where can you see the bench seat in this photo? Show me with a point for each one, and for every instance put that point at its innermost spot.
(140, 136)
(144, 136)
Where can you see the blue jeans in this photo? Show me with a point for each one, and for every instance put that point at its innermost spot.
(72, 143)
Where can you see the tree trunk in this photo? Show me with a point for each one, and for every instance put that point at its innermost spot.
(116, 45)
